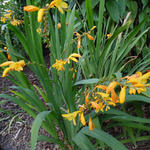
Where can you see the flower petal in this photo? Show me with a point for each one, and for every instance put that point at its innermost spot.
(6, 63)
(63, 5)
(6, 71)
(122, 95)
(40, 14)
(90, 123)
(31, 8)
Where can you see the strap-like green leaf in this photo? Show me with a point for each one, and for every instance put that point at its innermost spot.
(131, 98)
(87, 81)
(83, 142)
(50, 140)
(36, 126)
(104, 137)
(89, 12)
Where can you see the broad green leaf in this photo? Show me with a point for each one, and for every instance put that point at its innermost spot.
(113, 9)
(121, 7)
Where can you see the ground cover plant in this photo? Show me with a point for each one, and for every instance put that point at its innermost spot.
(82, 92)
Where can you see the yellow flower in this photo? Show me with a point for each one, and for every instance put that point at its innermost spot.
(132, 91)
(109, 35)
(17, 66)
(10, 11)
(122, 95)
(111, 86)
(71, 116)
(5, 48)
(90, 37)
(114, 96)
(82, 119)
(59, 4)
(73, 57)
(111, 89)
(79, 39)
(8, 16)
(138, 82)
(139, 90)
(105, 96)
(3, 19)
(38, 30)
(31, 8)
(8, 56)
(59, 65)
(96, 106)
(59, 25)
(93, 28)
(90, 123)
(103, 87)
(86, 98)
(15, 22)
(40, 14)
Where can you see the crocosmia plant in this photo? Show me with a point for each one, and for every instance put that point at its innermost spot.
(81, 91)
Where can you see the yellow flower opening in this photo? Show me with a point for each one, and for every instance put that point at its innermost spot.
(59, 65)
(109, 35)
(59, 4)
(71, 116)
(17, 66)
(73, 57)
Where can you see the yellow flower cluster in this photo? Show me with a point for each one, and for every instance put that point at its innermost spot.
(59, 65)
(16, 22)
(41, 11)
(90, 37)
(6, 16)
(17, 66)
(102, 96)
(13, 21)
